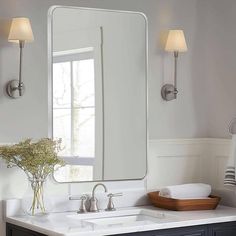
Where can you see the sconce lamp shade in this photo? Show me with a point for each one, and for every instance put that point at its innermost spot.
(20, 30)
(176, 41)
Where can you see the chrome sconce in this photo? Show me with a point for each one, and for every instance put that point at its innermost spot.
(175, 43)
(20, 32)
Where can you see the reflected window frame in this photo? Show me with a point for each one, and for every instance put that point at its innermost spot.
(73, 56)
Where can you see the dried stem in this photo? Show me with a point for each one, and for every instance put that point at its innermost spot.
(37, 160)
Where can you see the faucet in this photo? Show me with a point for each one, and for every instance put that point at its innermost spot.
(93, 199)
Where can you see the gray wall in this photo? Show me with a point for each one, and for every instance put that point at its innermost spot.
(220, 65)
(186, 116)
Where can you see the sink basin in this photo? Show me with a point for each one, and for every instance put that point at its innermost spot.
(122, 218)
(121, 221)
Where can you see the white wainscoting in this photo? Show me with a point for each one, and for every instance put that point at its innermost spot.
(177, 161)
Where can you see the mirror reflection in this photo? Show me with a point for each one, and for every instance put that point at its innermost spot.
(99, 93)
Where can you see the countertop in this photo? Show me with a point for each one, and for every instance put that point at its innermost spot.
(58, 224)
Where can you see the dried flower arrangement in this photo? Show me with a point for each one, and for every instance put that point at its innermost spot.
(37, 160)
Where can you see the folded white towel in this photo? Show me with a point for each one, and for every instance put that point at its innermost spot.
(186, 191)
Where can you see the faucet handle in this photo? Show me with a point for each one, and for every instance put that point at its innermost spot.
(78, 198)
(83, 199)
(82, 208)
(110, 195)
(110, 205)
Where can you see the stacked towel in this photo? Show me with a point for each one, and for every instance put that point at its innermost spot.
(186, 191)
(230, 169)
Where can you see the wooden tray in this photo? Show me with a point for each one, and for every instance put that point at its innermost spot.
(183, 205)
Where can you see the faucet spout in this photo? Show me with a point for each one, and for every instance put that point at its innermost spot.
(95, 187)
(93, 200)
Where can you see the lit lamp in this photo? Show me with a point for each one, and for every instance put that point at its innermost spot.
(20, 32)
(175, 43)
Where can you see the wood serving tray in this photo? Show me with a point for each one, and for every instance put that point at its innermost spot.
(182, 204)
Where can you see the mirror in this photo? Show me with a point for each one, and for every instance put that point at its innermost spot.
(99, 93)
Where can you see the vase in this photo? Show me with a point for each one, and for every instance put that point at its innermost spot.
(33, 202)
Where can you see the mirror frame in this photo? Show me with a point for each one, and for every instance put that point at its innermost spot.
(50, 81)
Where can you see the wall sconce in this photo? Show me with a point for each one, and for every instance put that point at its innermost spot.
(20, 32)
(175, 43)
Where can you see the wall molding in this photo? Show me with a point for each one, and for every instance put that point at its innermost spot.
(187, 160)
(190, 141)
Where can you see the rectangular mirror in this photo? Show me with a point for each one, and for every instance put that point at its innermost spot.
(98, 95)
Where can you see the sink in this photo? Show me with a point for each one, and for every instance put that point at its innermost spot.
(122, 218)
(121, 221)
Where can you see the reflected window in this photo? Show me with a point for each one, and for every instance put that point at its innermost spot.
(74, 113)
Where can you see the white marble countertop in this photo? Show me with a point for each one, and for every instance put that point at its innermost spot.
(67, 224)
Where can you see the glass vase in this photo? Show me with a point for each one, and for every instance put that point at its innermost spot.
(34, 199)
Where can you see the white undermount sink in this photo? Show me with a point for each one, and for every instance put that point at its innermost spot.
(122, 218)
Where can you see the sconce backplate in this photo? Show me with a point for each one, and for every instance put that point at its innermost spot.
(13, 89)
(169, 92)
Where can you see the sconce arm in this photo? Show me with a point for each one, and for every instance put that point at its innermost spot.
(21, 44)
(16, 88)
(176, 55)
(169, 91)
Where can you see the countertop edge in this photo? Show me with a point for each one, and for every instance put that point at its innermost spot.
(133, 229)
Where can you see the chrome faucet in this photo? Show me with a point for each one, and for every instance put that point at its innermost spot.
(93, 200)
